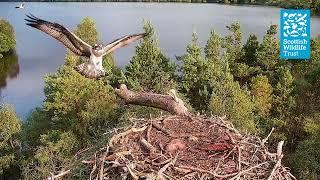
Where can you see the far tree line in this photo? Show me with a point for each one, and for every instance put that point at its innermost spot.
(313, 5)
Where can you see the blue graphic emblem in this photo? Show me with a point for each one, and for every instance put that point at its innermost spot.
(295, 34)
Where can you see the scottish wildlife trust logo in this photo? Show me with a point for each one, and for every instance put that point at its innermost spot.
(295, 34)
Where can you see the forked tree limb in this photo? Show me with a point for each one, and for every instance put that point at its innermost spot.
(164, 102)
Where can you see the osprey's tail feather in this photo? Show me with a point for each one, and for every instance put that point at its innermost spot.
(89, 71)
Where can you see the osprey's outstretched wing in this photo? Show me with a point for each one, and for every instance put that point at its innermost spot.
(125, 40)
(62, 34)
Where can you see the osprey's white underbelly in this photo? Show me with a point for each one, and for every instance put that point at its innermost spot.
(96, 61)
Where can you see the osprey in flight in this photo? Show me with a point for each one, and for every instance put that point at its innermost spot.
(92, 69)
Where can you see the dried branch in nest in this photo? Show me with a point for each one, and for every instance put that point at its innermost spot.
(176, 147)
(170, 103)
(52, 177)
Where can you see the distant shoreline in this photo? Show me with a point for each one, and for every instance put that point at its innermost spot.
(314, 11)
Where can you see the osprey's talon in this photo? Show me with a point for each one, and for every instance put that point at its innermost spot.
(102, 73)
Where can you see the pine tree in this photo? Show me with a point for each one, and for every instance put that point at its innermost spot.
(261, 90)
(284, 104)
(213, 46)
(283, 101)
(238, 54)
(307, 92)
(80, 104)
(37, 124)
(209, 84)
(268, 53)
(250, 51)
(150, 69)
(228, 98)
(194, 75)
(303, 68)
(246, 66)
(232, 43)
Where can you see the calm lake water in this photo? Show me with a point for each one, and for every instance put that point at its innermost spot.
(21, 78)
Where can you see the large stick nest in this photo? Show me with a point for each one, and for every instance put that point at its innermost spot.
(185, 147)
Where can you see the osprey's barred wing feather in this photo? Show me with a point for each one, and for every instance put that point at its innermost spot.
(88, 70)
(62, 34)
(125, 40)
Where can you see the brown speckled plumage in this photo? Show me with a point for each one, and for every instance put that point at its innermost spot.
(89, 71)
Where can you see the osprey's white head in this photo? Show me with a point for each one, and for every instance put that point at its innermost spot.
(97, 50)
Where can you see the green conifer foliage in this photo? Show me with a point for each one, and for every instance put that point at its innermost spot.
(268, 54)
(303, 68)
(150, 69)
(79, 103)
(10, 127)
(233, 44)
(87, 31)
(261, 90)
(194, 77)
(213, 46)
(250, 51)
(306, 160)
(52, 156)
(228, 98)
(239, 55)
(283, 101)
(38, 123)
(284, 104)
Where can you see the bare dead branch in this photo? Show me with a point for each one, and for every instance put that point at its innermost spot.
(119, 136)
(266, 139)
(52, 177)
(165, 102)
